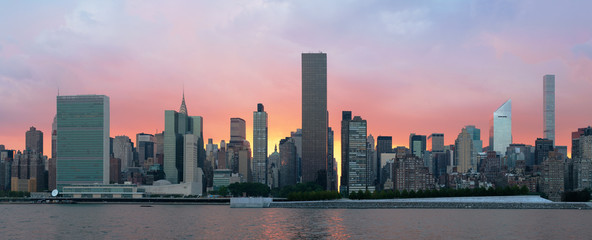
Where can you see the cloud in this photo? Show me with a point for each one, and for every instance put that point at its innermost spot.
(584, 49)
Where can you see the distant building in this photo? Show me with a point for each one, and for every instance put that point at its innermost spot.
(576, 150)
(542, 148)
(287, 168)
(34, 140)
(114, 171)
(331, 162)
(463, 154)
(436, 142)
(273, 173)
(410, 174)
(6, 159)
(519, 152)
(145, 148)
(500, 131)
(82, 140)
(346, 117)
(260, 163)
(417, 144)
(491, 167)
(384, 144)
(549, 107)
(238, 150)
(123, 149)
(28, 172)
(315, 118)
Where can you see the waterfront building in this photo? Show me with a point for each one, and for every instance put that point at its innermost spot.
(103, 191)
(542, 148)
(260, 134)
(221, 178)
(549, 107)
(463, 155)
(410, 174)
(34, 140)
(500, 131)
(314, 118)
(552, 176)
(82, 140)
(417, 144)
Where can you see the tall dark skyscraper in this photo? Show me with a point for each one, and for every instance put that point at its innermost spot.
(314, 118)
(417, 144)
(346, 117)
(34, 140)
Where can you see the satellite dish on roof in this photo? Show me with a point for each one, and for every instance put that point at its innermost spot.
(54, 193)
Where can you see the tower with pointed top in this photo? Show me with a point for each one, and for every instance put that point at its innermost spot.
(183, 145)
(500, 130)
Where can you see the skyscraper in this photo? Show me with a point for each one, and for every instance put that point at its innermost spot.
(82, 140)
(145, 148)
(314, 118)
(176, 125)
(260, 163)
(500, 131)
(346, 117)
(549, 107)
(34, 140)
(359, 167)
(287, 170)
(239, 150)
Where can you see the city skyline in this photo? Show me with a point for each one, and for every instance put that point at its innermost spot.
(402, 87)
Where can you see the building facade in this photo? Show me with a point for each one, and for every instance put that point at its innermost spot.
(82, 140)
(260, 134)
(500, 131)
(549, 107)
(314, 118)
(34, 140)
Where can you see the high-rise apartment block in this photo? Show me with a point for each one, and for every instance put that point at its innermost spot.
(346, 117)
(549, 107)
(82, 140)
(260, 162)
(314, 118)
(500, 131)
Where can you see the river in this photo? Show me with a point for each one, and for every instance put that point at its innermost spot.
(121, 221)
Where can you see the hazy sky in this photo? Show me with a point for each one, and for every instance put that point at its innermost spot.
(405, 66)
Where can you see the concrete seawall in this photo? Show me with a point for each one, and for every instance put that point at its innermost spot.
(442, 205)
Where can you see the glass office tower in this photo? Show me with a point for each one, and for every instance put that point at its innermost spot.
(500, 131)
(549, 107)
(82, 140)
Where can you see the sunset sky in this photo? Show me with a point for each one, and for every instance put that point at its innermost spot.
(404, 66)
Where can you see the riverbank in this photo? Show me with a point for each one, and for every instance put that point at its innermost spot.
(143, 201)
(508, 202)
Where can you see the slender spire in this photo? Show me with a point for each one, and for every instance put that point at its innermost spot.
(183, 108)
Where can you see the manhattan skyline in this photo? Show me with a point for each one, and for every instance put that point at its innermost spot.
(414, 67)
